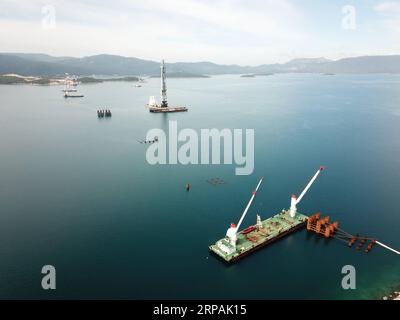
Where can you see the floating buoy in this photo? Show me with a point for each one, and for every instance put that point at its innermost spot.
(370, 245)
(352, 241)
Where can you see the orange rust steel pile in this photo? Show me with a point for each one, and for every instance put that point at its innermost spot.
(322, 226)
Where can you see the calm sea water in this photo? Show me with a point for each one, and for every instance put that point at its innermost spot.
(77, 192)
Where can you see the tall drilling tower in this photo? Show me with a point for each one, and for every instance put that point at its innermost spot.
(164, 103)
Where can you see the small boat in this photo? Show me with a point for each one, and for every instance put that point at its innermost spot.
(67, 95)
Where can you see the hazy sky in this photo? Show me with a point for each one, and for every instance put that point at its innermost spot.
(228, 31)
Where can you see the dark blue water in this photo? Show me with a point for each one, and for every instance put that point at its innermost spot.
(77, 193)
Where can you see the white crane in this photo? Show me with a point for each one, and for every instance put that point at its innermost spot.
(231, 234)
(295, 200)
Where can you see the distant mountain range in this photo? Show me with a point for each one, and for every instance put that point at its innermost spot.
(31, 64)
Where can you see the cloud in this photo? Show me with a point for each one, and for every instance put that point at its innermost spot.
(388, 7)
(390, 13)
(267, 18)
(223, 31)
(227, 31)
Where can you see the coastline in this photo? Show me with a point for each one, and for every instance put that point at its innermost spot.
(57, 80)
(391, 293)
(395, 295)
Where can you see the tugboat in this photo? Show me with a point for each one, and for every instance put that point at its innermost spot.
(163, 107)
(68, 95)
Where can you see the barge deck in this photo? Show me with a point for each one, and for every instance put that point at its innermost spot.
(259, 235)
(167, 109)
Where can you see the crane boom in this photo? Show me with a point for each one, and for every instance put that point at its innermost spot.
(295, 200)
(249, 204)
(309, 184)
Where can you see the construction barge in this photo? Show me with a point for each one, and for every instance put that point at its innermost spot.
(167, 110)
(238, 244)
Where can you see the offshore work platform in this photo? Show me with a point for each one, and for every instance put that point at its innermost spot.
(163, 107)
(237, 244)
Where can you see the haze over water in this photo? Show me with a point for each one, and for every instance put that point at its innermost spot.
(76, 192)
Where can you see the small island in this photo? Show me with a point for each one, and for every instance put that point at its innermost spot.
(182, 75)
(84, 80)
(253, 75)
